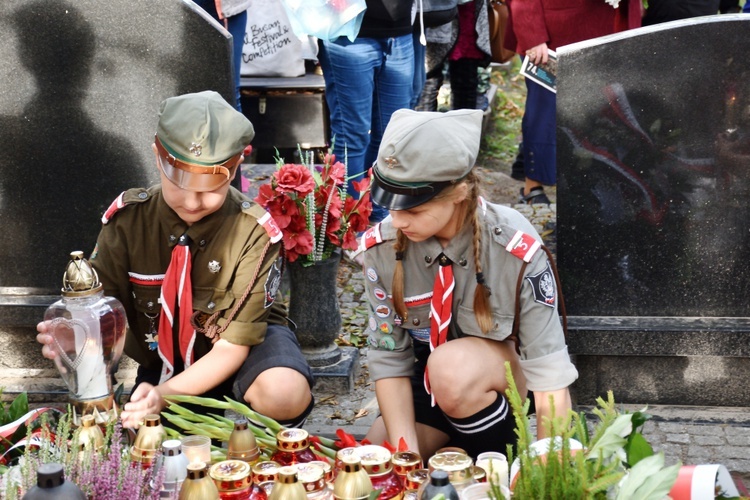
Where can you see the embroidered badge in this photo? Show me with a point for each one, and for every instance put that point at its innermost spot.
(379, 294)
(214, 266)
(95, 252)
(420, 334)
(273, 281)
(372, 275)
(196, 148)
(372, 323)
(398, 320)
(543, 286)
(386, 327)
(523, 246)
(383, 311)
(387, 343)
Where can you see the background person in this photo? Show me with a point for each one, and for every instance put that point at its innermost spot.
(442, 285)
(194, 229)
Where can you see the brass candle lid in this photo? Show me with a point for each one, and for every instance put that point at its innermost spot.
(376, 460)
(292, 439)
(231, 475)
(80, 278)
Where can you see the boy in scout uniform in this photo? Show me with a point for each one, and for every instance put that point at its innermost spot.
(197, 267)
(457, 287)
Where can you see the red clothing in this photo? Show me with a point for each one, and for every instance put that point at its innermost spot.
(560, 22)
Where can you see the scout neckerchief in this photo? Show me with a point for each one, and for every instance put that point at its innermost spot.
(176, 294)
(441, 308)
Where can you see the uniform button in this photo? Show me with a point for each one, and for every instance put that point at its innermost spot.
(245, 205)
(150, 305)
(143, 196)
(211, 305)
(202, 243)
(462, 262)
(497, 231)
(172, 237)
(415, 321)
(428, 259)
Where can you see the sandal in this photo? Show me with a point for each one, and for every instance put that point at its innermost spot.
(535, 196)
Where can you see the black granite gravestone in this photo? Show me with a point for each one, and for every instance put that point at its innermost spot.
(81, 86)
(653, 156)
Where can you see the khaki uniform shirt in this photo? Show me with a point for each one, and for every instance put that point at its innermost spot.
(544, 355)
(134, 249)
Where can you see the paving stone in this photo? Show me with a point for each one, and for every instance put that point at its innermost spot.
(678, 438)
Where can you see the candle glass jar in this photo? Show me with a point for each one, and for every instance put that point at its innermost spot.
(293, 447)
(233, 479)
(376, 460)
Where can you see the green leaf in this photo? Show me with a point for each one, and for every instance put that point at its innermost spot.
(613, 438)
(19, 407)
(374, 494)
(658, 485)
(637, 448)
(639, 475)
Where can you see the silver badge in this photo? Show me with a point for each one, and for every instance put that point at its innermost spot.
(214, 266)
(196, 148)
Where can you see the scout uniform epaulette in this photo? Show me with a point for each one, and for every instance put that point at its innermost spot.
(137, 195)
(376, 235)
(264, 219)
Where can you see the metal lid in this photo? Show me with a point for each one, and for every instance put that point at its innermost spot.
(376, 460)
(171, 447)
(231, 475)
(287, 475)
(292, 439)
(267, 470)
(312, 476)
(405, 461)
(196, 470)
(49, 475)
(456, 464)
(414, 478)
(80, 278)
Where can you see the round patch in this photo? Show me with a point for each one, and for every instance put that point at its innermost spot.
(383, 311)
(373, 324)
(372, 275)
(386, 327)
(379, 294)
(398, 320)
(387, 343)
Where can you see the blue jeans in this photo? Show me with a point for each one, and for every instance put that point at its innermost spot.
(236, 25)
(366, 81)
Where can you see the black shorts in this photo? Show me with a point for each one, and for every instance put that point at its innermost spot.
(279, 349)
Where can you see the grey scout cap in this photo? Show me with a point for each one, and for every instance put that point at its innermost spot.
(422, 153)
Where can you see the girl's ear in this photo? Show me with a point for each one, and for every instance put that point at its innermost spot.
(460, 193)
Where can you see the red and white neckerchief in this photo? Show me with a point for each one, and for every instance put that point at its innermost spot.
(441, 310)
(176, 293)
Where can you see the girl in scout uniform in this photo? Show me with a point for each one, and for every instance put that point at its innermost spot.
(452, 281)
(197, 268)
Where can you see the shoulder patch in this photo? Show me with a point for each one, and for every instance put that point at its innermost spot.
(126, 198)
(370, 238)
(543, 286)
(272, 229)
(523, 246)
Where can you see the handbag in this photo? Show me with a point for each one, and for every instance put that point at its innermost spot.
(438, 12)
(498, 19)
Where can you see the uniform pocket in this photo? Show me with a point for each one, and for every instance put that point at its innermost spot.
(502, 325)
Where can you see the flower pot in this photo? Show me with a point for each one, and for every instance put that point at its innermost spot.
(314, 309)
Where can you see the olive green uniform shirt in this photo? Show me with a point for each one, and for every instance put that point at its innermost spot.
(134, 249)
(544, 355)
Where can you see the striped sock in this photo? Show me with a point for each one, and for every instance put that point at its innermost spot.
(490, 429)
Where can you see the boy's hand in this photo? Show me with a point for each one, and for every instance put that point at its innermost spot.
(145, 400)
(45, 339)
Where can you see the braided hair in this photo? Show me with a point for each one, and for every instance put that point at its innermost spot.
(467, 214)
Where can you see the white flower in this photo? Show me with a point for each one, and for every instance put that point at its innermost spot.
(613, 3)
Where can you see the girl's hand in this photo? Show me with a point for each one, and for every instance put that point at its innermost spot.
(145, 400)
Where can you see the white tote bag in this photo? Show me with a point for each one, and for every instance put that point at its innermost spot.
(271, 48)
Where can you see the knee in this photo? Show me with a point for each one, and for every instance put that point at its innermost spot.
(449, 386)
(279, 393)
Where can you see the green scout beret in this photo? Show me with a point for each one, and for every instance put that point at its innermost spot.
(202, 128)
(422, 153)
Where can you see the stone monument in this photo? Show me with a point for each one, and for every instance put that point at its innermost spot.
(653, 138)
(82, 82)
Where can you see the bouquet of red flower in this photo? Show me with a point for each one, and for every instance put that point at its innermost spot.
(311, 206)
